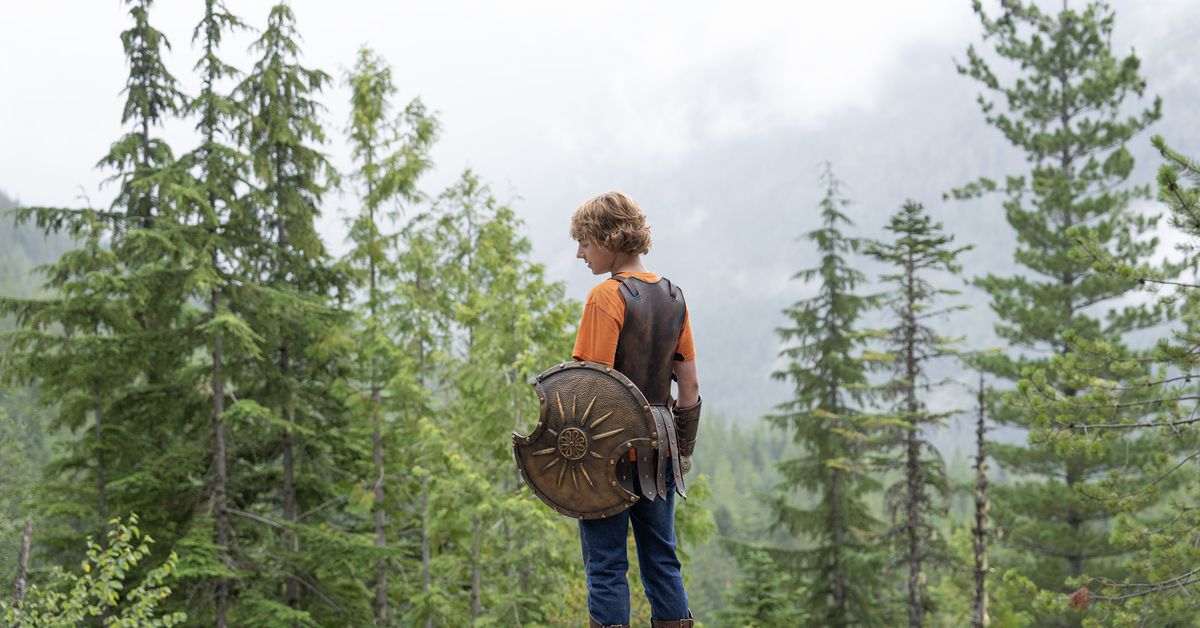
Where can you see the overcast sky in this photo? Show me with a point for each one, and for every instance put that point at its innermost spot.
(714, 114)
(521, 87)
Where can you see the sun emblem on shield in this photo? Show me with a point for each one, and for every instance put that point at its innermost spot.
(575, 439)
(572, 443)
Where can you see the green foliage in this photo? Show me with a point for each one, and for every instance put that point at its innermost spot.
(105, 344)
(917, 249)
(741, 474)
(764, 595)
(495, 322)
(106, 587)
(841, 582)
(382, 391)
(1066, 110)
(1125, 399)
(1008, 594)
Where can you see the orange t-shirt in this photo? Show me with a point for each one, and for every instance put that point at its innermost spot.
(603, 315)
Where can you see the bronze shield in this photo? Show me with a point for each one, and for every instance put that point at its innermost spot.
(590, 416)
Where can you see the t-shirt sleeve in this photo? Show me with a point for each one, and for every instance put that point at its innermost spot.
(600, 327)
(686, 349)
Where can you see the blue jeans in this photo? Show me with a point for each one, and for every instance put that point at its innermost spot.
(606, 562)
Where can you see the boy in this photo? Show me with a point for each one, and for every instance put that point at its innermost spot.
(637, 322)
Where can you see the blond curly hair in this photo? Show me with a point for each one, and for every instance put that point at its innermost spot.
(613, 221)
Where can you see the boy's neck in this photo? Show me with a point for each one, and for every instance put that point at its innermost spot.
(630, 264)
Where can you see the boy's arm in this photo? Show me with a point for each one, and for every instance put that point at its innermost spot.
(689, 383)
(686, 411)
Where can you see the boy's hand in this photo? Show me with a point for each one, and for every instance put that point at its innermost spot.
(685, 464)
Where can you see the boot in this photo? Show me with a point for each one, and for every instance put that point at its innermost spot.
(592, 623)
(673, 623)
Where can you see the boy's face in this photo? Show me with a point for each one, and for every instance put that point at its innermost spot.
(599, 259)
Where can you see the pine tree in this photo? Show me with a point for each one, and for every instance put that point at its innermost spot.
(1066, 110)
(918, 248)
(980, 531)
(100, 346)
(764, 595)
(483, 320)
(514, 321)
(391, 156)
(295, 310)
(840, 573)
(145, 168)
(220, 233)
(1118, 402)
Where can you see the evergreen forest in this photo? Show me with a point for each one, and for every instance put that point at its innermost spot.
(209, 418)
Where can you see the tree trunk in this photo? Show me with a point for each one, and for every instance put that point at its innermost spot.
(381, 581)
(23, 568)
(837, 523)
(289, 473)
(476, 576)
(914, 471)
(426, 551)
(980, 617)
(220, 481)
(839, 543)
(101, 467)
(1073, 474)
(291, 540)
(101, 480)
(916, 605)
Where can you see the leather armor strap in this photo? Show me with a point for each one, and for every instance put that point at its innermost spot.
(687, 424)
(670, 448)
(654, 463)
(660, 462)
(646, 471)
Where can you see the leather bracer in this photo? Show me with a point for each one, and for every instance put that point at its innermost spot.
(687, 424)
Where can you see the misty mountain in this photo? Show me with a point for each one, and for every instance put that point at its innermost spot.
(727, 217)
(22, 249)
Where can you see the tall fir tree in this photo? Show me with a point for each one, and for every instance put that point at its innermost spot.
(513, 323)
(68, 344)
(764, 594)
(824, 345)
(213, 209)
(917, 249)
(103, 342)
(295, 311)
(148, 249)
(484, 319)
(1119, 402)
(1067, 102)
(391, 155)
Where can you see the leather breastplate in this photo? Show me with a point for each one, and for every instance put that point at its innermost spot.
(654, 314)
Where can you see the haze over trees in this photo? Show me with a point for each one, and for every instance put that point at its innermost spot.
(208, 418)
